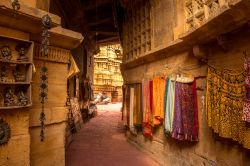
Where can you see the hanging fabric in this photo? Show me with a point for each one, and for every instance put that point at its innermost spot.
(169, 105)
(185, 124)
(158, 100)
(131, 110)
(246, 106)
(137, 106)
(73, 69)
(225, 93)
(147, 109)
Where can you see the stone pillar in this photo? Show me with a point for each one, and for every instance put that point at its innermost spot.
(52, 150)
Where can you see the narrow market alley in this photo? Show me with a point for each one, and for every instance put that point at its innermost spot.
(101, 142)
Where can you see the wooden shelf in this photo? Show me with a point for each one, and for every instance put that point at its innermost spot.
(25, 69)
(15, 107)
(14, 83)
(15, 62)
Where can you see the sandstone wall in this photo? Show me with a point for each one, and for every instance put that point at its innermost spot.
(209, 150)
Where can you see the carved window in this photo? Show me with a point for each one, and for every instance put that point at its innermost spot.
(137, 31)
(212, 6)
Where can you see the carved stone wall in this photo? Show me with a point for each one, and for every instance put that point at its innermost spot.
(137, 31)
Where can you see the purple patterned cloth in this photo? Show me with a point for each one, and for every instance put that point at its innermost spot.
(185, 125)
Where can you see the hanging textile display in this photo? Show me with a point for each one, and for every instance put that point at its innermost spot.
(225, 93)
(246, 106)
(137, 106)
(158, 100)
(185, 124)
(147, 108)
(131, 109)
(73, 70)
(169, 105)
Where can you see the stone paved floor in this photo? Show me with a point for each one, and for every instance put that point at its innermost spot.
(101, 142)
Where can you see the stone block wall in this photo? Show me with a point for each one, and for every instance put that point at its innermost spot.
(209, 150)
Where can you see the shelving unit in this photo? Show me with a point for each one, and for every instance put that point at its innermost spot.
(15, 75)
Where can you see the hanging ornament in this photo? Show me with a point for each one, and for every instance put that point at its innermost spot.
(15, 5)
(46, 21)
(4, 132)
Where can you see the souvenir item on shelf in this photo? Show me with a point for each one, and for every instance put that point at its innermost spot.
(22, 99)
(21, 51)
(225, 94)
(6, 53)
(1, 99)
(4, 132)
(3, 74)
(246, 106)
(158, 100)
(18, 75)
(185, 123)
(169, 105)
(9, 98)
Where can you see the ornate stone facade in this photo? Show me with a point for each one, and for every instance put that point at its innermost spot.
(107, 74)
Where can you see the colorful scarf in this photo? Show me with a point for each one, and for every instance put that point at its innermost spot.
(169, 105)
(246, 106)
(185, 125)
(225, 93)
(147, 109)
(158, 100)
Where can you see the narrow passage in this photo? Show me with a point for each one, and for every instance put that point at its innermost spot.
(101, 142)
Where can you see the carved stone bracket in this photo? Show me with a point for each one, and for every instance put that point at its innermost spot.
(4, 132)
(223, 42)
(200, 52)
(55, 54)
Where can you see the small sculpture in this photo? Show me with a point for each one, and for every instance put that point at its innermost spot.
(19, 77)
(3, 74)
(9, 97)
(6, 53)
(22, 99)
(21, 51)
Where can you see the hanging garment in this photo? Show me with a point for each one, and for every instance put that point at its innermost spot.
(73, 70)
(185, 125)
(131, 110)
(225, 93)
(246, 106)
(137, 106)
(159, 84)
(169, 105)
(147, 110)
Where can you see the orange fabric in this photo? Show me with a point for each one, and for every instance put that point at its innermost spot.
(159, 84)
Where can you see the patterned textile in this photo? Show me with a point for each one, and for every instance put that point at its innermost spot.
(225, 93)
(158, 100)
(137, 105)
(169, 105)
(246, 106)
(147, 111)
(185, 126)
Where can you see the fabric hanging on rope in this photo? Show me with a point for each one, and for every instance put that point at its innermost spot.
(73, 70)
(137, 106)
(147, 109)
(131, 109)
(246, 106)
(225, 94)
(169, 105)
(185, 124)
(158, 100)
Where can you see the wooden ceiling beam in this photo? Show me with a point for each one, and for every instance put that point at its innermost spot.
(100, 21)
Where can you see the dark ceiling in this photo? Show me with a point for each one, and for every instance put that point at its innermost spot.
(95, 19)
